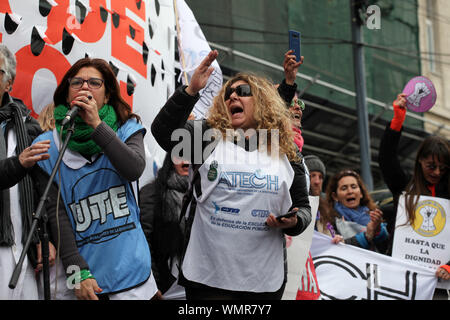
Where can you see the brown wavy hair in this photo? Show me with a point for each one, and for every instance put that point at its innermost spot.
(438, 148)
(112, 88)
(270, 113)
(330, 214)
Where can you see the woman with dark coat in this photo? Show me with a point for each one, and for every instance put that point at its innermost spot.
(430, 177)
(160, 204)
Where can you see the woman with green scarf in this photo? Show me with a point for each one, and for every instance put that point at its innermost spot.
(102, 246)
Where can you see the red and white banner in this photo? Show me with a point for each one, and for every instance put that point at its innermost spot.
(346, 272)
(137, 37)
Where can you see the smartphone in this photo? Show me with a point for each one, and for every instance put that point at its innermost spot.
(287, 215)
(294, 44)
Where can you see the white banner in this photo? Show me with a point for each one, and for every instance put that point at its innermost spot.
(348, 272)
(137, 37)
(427, 241)
(193, 48)
(297, 253)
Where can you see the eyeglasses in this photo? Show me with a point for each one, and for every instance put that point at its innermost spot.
(242, 91)
(433, 167)
(93, 83)
(300, 103)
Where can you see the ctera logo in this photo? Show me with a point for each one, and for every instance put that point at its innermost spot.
(260, 213)
(227, 210)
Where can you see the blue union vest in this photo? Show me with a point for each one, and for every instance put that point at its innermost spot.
(104, 215)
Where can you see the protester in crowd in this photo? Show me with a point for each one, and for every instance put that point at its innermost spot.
(296, 108)
(101, 238)
(288, 88)
(288, 91)
(430, 176)
(160, 203)
(231, 224)
(317, 173)
(352, 216)
(17, 198)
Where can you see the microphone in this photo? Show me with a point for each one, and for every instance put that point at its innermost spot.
(72, 113)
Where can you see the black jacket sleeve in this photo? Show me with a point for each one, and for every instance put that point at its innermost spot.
(391, 169)
(148, 199)
(150, 206)
(286, 91)
(300, 200)
(11, 172)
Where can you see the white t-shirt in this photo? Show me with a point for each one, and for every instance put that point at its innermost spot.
(230, 246)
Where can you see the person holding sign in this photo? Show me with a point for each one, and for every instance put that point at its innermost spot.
(430, 176)
(103, 247)
(351, 215)
(235, 247)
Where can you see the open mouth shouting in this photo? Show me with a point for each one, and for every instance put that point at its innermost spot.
(236, 110)
(239, 101)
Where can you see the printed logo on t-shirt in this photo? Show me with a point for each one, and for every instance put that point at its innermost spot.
(249, 180)
(99, 207)
(226, 210)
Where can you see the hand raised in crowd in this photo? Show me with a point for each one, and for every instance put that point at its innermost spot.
(34, 153)
(401, 100)
(201, 74)
(87, 290)
(291, 66)
(376, 217)
(284, 223)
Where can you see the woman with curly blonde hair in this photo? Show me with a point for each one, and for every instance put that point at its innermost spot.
(270, 114)
(231, 211)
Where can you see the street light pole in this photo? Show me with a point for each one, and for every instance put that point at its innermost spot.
(360, 88)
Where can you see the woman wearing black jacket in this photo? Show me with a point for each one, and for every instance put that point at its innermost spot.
(430, 177)
(235, 248)
(160, 204)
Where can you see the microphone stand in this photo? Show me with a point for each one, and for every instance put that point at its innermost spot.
(41, 218)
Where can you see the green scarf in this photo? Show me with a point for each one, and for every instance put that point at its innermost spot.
(81, 139)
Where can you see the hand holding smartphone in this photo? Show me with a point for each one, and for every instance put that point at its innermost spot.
(294, 44)
(287, 215)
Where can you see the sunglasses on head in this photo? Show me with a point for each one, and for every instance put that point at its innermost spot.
(242, 90)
